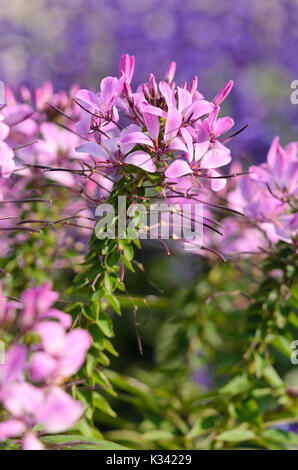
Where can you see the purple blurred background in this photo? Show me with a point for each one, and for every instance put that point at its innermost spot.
(254, 42)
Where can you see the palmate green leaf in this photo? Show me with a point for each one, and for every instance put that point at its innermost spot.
(236, 435)
(77, 442)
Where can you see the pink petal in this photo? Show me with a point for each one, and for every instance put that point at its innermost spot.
(111, 89)
(22, 399)
(152, 124)
(30, 442)
(50, 132)
(177, 144)
(271, 156)
(89, 100)
(4, 131)
(64, 178)
(83, 125)
(279, 166)
(198, 109)
(291, 150)
(171, 72)
(173, 124)
(203, 135)
(11, 428)
(291, 176)
(168, 94)
(93, 149)
(223, 125)
(126, 66)
(184, 99)
(135, 138)
(15, 362)
(178, 168)
(188, 140)
(64, 318)
(52, 337)
(78, 342)
(59, 412)
(42, 366)
(7, 164)
(141, 160)
(223, 93)
(201, 149)
(216, 158)
(148, 108)
(217, 183)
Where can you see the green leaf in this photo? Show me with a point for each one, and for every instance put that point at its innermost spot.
(114, 302)
(158, 435)
(272, 377)
(282, 437)
(281, 344)
(97, 336)
(102, 404)
(128, 252)
(236, 435)
(91, 311)
(112, 258)
(237, 385)
(105, 324)
(80, 443)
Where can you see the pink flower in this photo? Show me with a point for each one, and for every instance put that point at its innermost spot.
(280, 172)
(55, 148)
(266, 194)
(102, 103)
(53, 410)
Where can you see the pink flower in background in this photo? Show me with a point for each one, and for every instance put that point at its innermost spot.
(57, 357)
(56, 149)
(267, 195)
(280, 172)
(53, 410)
